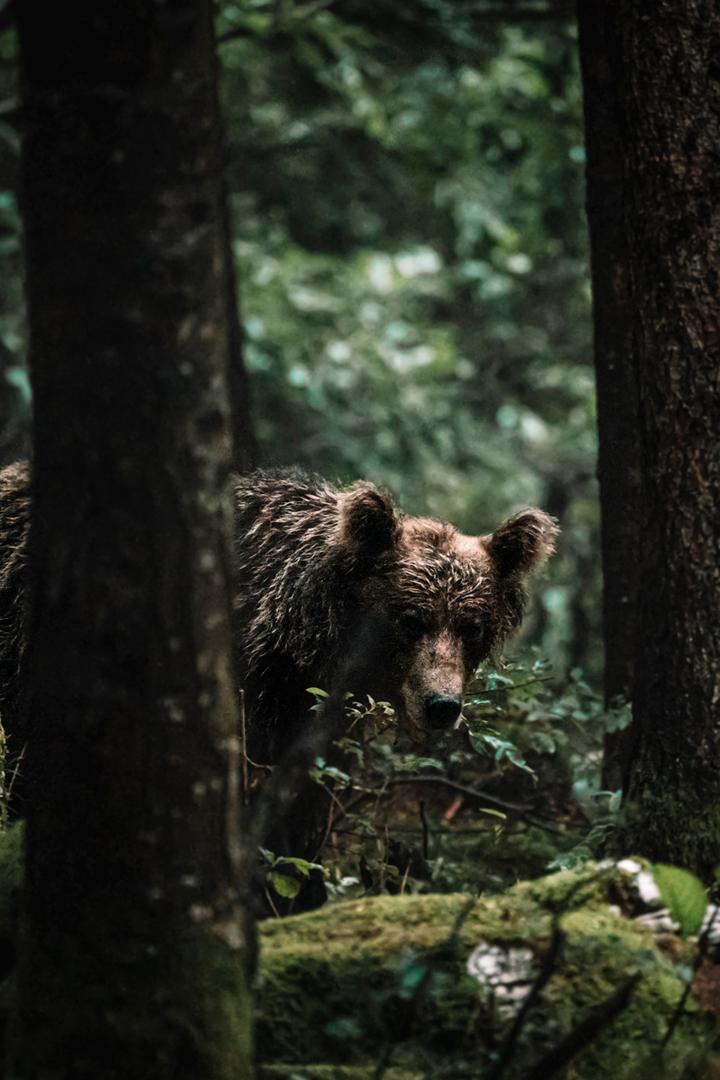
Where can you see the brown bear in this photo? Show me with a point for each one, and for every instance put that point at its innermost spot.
(334, 588)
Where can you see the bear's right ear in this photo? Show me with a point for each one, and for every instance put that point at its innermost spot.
(368, 519)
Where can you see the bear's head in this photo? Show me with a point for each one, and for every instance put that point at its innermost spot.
(442, 601)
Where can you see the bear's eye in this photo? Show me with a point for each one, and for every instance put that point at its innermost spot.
(412, 623)
(474, 628)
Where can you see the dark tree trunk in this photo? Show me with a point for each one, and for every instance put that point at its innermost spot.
(135, 939)
(616, 379)
(665, 60)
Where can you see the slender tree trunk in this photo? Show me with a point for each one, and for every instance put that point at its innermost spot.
(666, 63)
(616, 379)
(135, 939)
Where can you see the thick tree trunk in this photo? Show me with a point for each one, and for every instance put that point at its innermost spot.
(135, 938)
(666, 64)
(616, 379)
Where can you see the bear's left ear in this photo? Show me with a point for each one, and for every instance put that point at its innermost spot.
(368, 519)
(522, 542)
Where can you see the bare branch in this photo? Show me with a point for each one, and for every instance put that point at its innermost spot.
(480, 797)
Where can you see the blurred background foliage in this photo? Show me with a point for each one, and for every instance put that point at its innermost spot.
(406, 182)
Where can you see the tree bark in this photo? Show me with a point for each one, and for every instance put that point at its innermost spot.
(135, 939)
(616, 379)
(666, 65)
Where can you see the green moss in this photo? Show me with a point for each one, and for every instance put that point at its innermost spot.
(340, 985)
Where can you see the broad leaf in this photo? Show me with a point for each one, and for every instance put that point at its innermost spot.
(683, 894)
(283, 885)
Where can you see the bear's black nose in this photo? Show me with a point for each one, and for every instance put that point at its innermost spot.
(442, 712)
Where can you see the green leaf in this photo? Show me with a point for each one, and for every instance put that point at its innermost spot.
(303, 866)
(496, 681)
(317, 692)
(284, 885)
(343, 1027)
(500, 749)
(411, 975)
(333, 773)
(683, 894)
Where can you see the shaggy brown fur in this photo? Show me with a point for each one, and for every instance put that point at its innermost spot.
(334, 588)
(337, 588)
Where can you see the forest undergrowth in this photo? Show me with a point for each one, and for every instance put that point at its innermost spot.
(514, 790)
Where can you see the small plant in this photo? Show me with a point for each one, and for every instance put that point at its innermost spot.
(285, 874)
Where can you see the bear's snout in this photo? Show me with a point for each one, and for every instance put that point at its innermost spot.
(442, 712)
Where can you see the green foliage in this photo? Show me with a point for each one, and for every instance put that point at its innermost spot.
(513, 788)
(684, 895)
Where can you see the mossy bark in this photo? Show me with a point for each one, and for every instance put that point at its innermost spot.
(135, 941)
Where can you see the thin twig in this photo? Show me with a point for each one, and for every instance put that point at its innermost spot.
(271, 902)
(478, 796)
(331, 820)
(243, 750)
(425, 830)
(506, 689)
(581, 1036)
(362, 794)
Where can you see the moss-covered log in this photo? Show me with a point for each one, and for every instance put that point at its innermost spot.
(386, 979)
